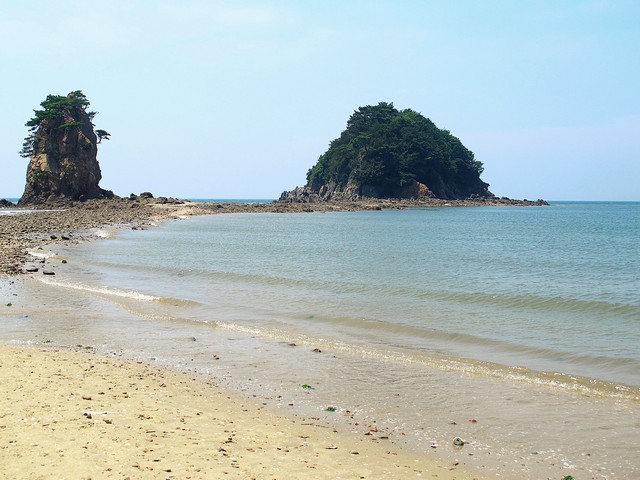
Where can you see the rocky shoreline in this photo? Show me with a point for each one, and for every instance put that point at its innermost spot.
(22, 230)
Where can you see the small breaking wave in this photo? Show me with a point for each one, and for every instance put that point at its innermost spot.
(109, 291)
(41, 254)
(450, 363)
(101, 233)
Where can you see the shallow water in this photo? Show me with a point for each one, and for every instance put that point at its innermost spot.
(526, 320)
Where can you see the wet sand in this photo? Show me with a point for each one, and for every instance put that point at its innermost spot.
(78, 415)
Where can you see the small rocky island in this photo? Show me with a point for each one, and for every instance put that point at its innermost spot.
(62, 148)
(385, 153)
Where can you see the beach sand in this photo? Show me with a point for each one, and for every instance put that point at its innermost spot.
(78, 415)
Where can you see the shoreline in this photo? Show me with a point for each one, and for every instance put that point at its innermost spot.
(80, 223)
(72, 222)
(76, 414)
(176, 211)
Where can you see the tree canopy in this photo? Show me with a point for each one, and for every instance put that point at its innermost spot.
(60, 109)
(386, 149)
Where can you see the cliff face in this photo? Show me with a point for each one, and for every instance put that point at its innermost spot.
(352, 192)
(63, 163)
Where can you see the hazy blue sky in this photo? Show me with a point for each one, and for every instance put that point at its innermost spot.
(239, 99)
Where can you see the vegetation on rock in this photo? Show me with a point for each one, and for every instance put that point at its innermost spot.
(62, 149)
(57, 108)
(385, 152)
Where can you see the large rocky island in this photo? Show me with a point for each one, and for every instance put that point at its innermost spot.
(385, 153)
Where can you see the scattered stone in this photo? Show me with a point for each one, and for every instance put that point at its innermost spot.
(48, 272)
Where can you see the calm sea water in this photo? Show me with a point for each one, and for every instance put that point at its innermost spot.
(526, 319)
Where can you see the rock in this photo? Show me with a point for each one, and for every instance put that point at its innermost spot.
(6, 204)
(63, 164)
(48, 272)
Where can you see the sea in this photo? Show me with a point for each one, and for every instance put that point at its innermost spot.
(516, 329)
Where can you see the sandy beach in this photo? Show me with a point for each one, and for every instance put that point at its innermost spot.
(77, 415)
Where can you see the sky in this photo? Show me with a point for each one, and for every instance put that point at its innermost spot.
(222, 99)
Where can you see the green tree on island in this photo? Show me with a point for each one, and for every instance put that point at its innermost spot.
(62, 147)
(383, 150)
(59, 109)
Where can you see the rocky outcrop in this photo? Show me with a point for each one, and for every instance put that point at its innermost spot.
(386, 153)
(414, 190)
(63, 163)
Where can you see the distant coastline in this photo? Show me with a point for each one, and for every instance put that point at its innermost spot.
(73, 220)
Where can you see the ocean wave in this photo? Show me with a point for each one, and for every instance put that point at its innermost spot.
(41, 253)
(108, 291)
(520, 302)
(462, 365)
